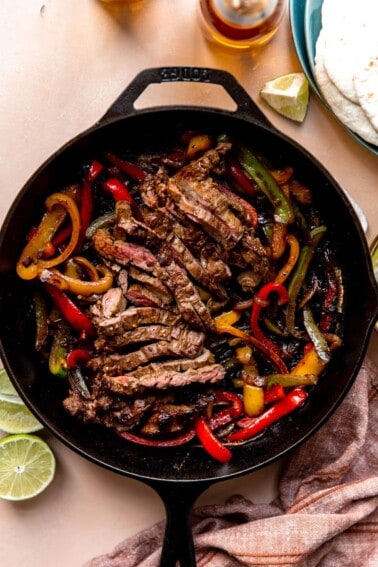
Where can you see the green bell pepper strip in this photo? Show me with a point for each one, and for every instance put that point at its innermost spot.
(298, 277)
(316, 336)
(58, 352)
(283, 210)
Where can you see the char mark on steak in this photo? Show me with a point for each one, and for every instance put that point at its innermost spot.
(129, 385)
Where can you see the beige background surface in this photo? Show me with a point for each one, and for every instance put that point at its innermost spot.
(62, 63)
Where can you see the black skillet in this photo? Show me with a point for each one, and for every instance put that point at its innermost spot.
(180, 475)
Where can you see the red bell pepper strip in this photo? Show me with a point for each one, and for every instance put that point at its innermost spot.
(70, 311)
(118, 190)
(210, 442)
(228, 414)
(136, 173)
(262, 300)
(173, 442)
(86, 200)
(77, 357)
(120, 193)
(273, 394)
(238, 174)
(293, 400)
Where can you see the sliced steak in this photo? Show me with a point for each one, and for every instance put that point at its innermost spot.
(146, 334)
(176, 364)
(134, 317)
(130, 385)
(189, 344)
(107, 409)
(187, 297)
(123, 253)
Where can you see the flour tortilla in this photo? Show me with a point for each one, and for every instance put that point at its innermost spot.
(366, 87)
(347, 112)
(350, 40)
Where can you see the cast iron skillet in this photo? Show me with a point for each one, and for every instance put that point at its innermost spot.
(180, 475)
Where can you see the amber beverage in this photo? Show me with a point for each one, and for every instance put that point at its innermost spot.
(241, 24)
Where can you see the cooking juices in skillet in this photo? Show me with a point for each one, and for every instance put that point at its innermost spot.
(186, 294)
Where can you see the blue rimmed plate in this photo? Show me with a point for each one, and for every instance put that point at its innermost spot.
(305, 21)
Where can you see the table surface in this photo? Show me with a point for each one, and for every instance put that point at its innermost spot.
(62, 64)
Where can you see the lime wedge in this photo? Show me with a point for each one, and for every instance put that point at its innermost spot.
(16, 418)
(7, 390)
(374, 257)
(288, 95)
(27, 466)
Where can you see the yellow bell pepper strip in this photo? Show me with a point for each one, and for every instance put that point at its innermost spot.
(227, 318)
(294, 249)
(293, 400)
(278, 242)
(316, 336)
(83, 262)
(262, 300)
(198, 143)
(210, 442)
(182, 439)
(244, 354)
(77, 286)
(298, 277)
(309, 364)
(268, 353)
(58, 351)
(70, 311)
(283, 210)
(253, 400)
(41, 320)
(31, 261)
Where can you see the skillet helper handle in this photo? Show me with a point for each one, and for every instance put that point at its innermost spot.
(178, 499)
(124, 105)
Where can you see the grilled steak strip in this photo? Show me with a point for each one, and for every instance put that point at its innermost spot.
(123, 253)
(189, 344)
(130, 385)
(134, 317)
(176, 364)
(147, 333)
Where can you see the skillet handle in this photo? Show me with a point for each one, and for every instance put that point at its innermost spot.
(124, 105)
(178, 500)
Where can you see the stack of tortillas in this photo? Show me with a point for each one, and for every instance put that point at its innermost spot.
(346, 64)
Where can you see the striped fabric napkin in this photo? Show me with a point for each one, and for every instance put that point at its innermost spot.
(326, 514)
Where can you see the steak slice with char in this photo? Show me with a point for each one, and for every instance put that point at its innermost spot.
(108, 409)
(189, 344)
(123, 253)
(134, 317)
(187, 297)
(130, 385)
(177, 364)
(146, 334)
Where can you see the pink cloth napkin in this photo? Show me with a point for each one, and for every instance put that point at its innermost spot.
(326, 513)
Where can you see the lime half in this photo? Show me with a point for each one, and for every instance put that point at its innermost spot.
(16, 418)
(288, 95)
(374, 257)
(8, 392)
(27, 466)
